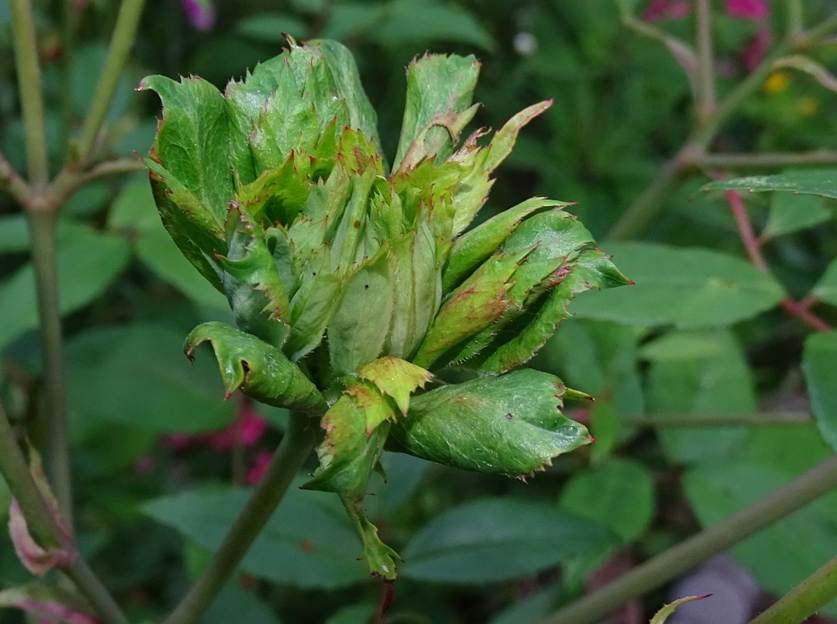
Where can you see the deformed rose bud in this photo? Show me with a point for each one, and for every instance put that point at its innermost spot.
(355, 286)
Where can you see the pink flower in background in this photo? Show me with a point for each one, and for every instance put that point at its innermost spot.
(756, 49)
(258, 469)
(201, 13)
(756, 10)
(180, 441)
(666, 9)
(247, 429)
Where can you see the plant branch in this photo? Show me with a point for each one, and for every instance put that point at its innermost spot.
(805, 599)
(11, 180)
(29, 87)
(753, 248)
(649, 202)
(706, 63)
(765, 160)
(794, 18)
(806, 488)
(42, 231)
(719, 420)
(121, 43)
(69, 181)
(43, 526)
(292, 452)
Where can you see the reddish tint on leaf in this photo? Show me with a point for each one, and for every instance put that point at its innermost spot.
(258, 468)
(36, 559)
(755, 10)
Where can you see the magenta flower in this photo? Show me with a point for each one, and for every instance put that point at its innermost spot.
(756, 49)
(258, 469)
(246, 431)
(201, 13)
(756, 10)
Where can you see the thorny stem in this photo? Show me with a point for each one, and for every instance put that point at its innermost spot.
(753, 248)
(649, 202)
(42, 229)
(706, 63)
(292, 452)
(805, 599)
(44, 528)
(121, 43)
(29, 87)
(806, 488)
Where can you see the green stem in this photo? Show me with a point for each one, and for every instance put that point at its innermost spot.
(11, 181)
(29, 87)
(805, 599)
(121, 43)
(804, 489)
(720, 420)
(795, 21)
(765, 160)
(292, 452)
(67, 46)
(649, 202)
(43, 527)
(706, 63)
(42, 228)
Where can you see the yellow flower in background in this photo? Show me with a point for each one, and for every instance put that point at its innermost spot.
(808, 106)
(777, 82)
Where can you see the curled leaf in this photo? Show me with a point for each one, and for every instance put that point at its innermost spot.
(667, 610)
(510, 425)
(258, 369)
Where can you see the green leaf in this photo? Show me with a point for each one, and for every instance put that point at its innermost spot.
(508, 425)
(819, 362)
(414, 21)
(395, 378)
(792, 212)
(107, 367)
(270, 26)
(712, 383)
(667, 610)
(821, 182)
(258, 369)
(698, 288)
(439, 88)
(618, 494)
(355, 614)
(826, 289)
(779, 555)
(88, 262)
(234, 603)
(14, 234)
(305, 544)
(498, 539)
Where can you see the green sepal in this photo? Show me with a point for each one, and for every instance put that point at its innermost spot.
(510, 425)
(590, 270)
(380, 558)
(473, 247)
(439, 87)
(478, 302)
(395, 378)
(258, 369)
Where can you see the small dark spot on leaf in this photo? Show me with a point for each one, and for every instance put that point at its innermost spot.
(307, 546)
(509, 415)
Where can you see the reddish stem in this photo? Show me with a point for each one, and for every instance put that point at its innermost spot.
(751, 244)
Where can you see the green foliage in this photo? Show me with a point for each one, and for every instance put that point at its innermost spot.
(686, 287)
(497, 539)
(819, 182)
(277, 192)
(820, 365)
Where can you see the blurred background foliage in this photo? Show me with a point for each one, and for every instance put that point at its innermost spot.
(159, 456)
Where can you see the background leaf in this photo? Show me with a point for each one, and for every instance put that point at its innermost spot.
(821, 182)
(307, 543)
(686, 287)
(493, 540)
(820, 365)
(792, 212)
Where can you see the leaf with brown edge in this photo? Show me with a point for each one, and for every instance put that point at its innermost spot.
(396, 378)
(258, 369)
(510, 425)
